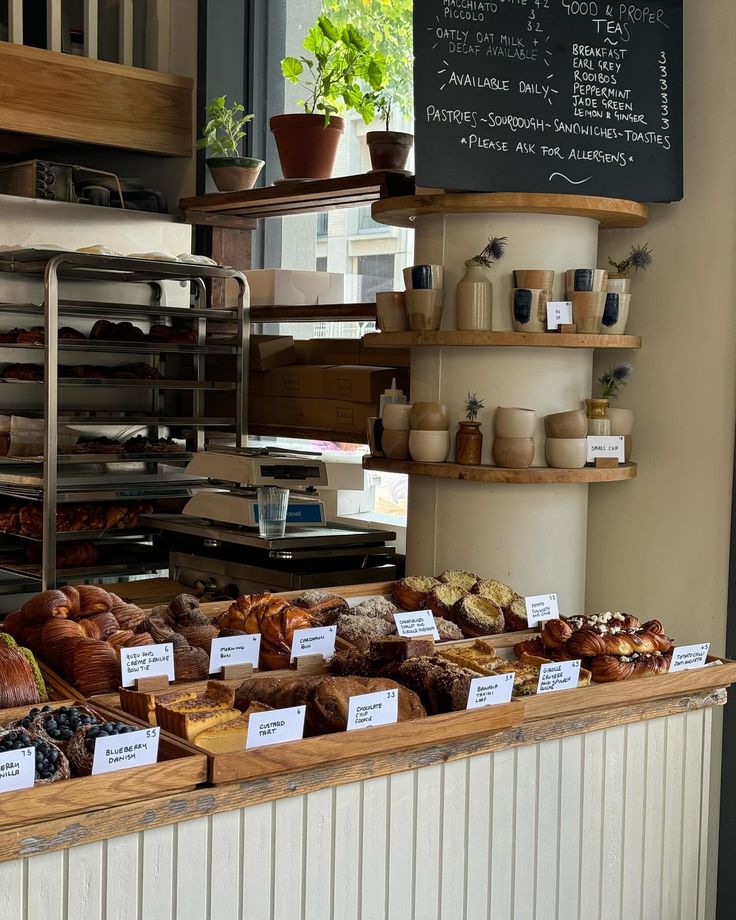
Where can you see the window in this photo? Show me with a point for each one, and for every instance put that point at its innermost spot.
(375, 273)
(321, 264)
(323, 224)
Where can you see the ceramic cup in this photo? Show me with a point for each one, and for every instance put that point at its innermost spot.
(429, 416)
(424, 310)
(396, 445)
(566, 453)
(396, 416)
(391, 311)
(535, 278)
(587, 310)
(615, 313)
(373, 441)
(622, 421)
(529, 309)
(424, 277)
(627, 447)
(513, 453)
(514, 423)
(616, 285)
(429, 446)
(586, 279)
(573, 424)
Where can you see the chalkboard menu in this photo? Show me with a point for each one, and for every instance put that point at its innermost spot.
(558, 96)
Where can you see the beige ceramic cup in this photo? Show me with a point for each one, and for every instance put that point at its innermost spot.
(395, 445)
(567, 453)
(586, 279)
(391, 311)
(513, 453)
(514, 423)
(615, 313)
(622, 421)
(529, 309)
(618, 285)
(534, 278)
(396, 416)
(573, 424)
(587, 310)
(429, 416)
(424, 310)
(429, 446)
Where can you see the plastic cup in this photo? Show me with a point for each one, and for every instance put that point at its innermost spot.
(273, 504)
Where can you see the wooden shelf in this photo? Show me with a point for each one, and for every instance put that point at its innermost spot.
(609, 212)
(534, 474)
(294, 198)
(309, 313)
(54, 96)
(451, 338)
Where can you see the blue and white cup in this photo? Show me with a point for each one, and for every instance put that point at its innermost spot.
(529, 309)
(615, 313)
(585, 279)
(424, 277)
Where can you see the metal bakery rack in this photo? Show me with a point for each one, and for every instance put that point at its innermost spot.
(174, 403)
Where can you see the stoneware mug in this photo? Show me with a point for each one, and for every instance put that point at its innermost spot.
(535, 278)
(586, 279)
(566, 453)
(424, 277)
(391, 311)
(429, 416)
(429, 446)
(572, 424)
(396, 445)
(587, 310)
(513, 453)
(615, 313)
(514, 423)
(396, 416)
(424, 310)
(529, 309)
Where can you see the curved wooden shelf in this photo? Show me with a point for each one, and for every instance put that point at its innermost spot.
(535, 474)
(403, 211)
(452, 338)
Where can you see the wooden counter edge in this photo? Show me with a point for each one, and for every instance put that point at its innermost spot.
(31, 840)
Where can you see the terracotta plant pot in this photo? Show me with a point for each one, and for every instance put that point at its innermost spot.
(389, 150)
(468, 443)
(307, 148)
(573, 424)
(513, 453)
(234, 174)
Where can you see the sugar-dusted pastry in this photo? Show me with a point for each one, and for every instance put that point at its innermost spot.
(478, 616)
(354, 628)
(457, 578)
(443, 598)
(495, 591)
(322, 605)
(379, 607)
(515, 614)
(448, 631)
(411, 593)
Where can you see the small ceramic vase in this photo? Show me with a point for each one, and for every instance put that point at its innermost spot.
(468, 443)
(598, 421)
(474, 300)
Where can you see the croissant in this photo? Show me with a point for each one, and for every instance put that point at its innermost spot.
(588, 642)
(555, 633)
(606, 668)
(140, 638)
(57, 638)
(158, 630)
(190, 663)
(535, 648)
(14, 624)
(95, 667)
(120, 638)
(274, 619)
(129, 616)
(20, 681)
(199, 635)
(93, 600)
(106, 623)
(45, 606)
(90, 629)
(72, 596)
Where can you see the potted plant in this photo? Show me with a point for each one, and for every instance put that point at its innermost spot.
(474, 298)
(389, 149)
(618, 289)
(469, 440)
(342, 74)
(602, 419)
(222, 134)
(639, 258)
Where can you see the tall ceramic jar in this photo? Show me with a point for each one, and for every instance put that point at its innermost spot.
(474, 301)
(468, 443)
(598, 421)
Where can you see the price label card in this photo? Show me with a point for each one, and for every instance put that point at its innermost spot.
(559, 313)
(234, 650)
(541, 607)
(558, 675)
(317, 641)
(275, 726)
(121, 752)
(17, 769)
(609, 446)
(146, 661)
(416, 623)
(368, 709)
(689, 657)
(490, 691)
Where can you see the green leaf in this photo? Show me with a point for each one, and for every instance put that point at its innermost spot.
(376, 74)
(355, 38)
(314, 40)
(292, 68)
(329, 29)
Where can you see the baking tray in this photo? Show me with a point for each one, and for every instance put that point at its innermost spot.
(129, 310)
(123, 347)
(83, 481)
(180, 768)
(112, 457)
(131, 384)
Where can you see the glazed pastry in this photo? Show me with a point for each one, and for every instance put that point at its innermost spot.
(515, 614)
(58, 725)
(443, 598)
(448, 631)
(190, 663)
(399, 648)
(360, 629)
(495, 591)
(478, 616)
(380, 608)
(90, 629)
(606, 668)
(190, 622)
(274, 619)
(465, 581)
(105, 623)
(323, 606)
(11, 335)
(138, 639)
(32, 372)
(591, 641)
(81, 750)
(411, 593)
(45, 606)
(93, 599)
(535, 648)
(57, 641)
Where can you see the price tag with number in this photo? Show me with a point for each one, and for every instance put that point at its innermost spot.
(541, 607)
(275, 726)
(366, 709)
(558, 675)
(319, 640)
(121, 752)
(559, 313)
(146, 661)
(17, 769)
(689, 657)
(490, 691)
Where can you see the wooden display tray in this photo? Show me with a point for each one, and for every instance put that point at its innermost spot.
(180, 768)
(481, 473)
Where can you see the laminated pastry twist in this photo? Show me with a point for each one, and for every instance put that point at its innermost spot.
(274, 619)
(591, 641)
(607, 668)
(535, 648)
(556, 633)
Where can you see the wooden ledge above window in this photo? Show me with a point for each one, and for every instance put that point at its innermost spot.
(48, 95)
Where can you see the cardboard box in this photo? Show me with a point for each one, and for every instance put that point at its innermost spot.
(282, 286)
(384, 357)
(267, 351)
(329, 351)
(328, 414)
(356, 383)
(299, 380)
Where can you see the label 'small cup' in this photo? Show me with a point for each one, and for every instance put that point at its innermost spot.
(273, 505)
(391, 311)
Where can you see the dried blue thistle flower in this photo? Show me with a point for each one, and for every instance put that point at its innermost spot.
(493, 252)
(472, 406)
(639, 258)
(613, 379)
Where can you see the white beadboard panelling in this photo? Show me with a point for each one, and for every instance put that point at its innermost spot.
(15, 21)
(604, 826)
(125, 31)
(53, 25)
(91, 27)
(704, 813)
